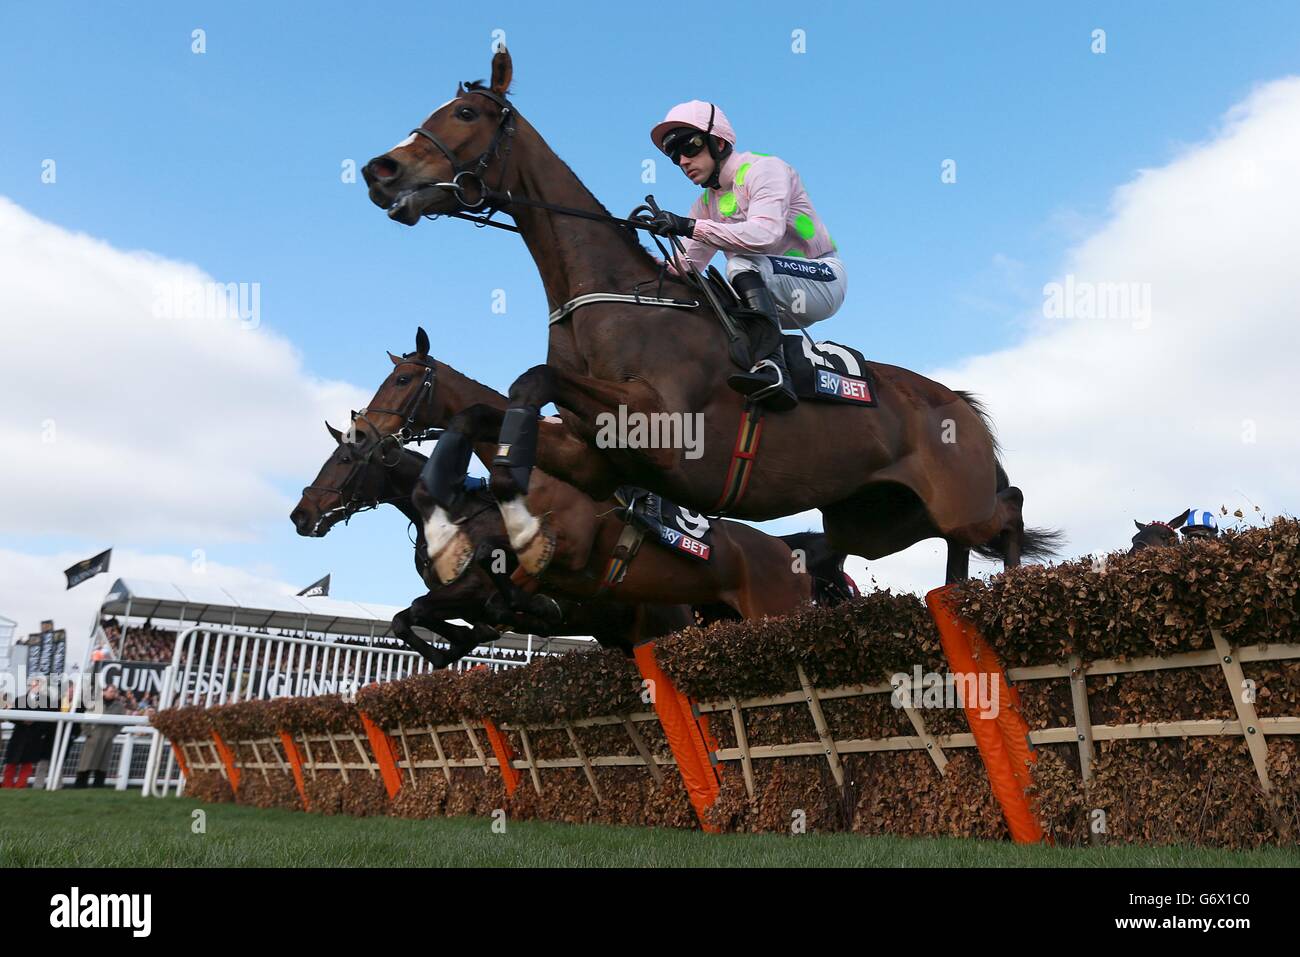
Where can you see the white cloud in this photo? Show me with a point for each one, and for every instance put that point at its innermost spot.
(119, 425)
(1108, 420)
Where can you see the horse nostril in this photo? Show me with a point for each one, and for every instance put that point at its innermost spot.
(382, 169)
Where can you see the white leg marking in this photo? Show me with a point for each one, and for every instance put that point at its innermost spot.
(520, 523)
(438, 531)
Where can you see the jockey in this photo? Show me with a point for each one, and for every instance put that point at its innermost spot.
(1200, 524)
(780, 259)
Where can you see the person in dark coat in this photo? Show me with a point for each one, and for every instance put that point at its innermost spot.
(31, 742)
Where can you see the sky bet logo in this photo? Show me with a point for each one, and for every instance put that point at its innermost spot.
(103, 910)
(692, 546)
(846, 387)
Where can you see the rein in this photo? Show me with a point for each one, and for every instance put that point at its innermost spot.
(351, 505)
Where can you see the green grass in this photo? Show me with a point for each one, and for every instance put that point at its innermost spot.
(110, 829)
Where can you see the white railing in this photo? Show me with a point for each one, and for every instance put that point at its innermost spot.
(134, 728)
(212, 666)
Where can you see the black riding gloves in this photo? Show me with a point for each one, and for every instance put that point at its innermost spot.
(670, 224)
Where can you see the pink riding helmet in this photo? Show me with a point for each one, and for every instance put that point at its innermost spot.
(694, 114)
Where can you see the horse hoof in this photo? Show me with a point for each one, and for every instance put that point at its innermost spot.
(548, 610)
(537, 552)
(450, 563)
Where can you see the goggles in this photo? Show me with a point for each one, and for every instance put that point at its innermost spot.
(684, 142)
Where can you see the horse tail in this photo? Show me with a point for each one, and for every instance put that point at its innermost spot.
(1043, 543)
(1036, 542)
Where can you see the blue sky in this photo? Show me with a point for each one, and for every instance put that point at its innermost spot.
(231, 160)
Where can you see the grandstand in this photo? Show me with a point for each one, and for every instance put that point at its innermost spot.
(294, 645)
(145, 617)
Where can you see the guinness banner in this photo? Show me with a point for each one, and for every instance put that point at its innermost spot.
(316, 589)
(88, 568)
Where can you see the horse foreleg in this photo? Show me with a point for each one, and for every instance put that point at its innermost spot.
(528, 605)
(402, 628)
(566, 455)
(958, 562)
(463, 600)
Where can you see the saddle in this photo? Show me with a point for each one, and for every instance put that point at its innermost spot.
(820, 372)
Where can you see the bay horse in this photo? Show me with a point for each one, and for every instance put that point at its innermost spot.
(1157, 534)
(924, 463)
(751, 572)
(361, 474)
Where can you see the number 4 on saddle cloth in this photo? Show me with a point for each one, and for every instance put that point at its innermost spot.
(829, 372)
(671, 525)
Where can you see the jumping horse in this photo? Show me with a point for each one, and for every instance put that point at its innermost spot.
(750, 574)
(625, 338)
(361, 474)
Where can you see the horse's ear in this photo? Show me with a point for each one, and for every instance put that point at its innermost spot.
(502, 71)
(421, 341)
(397, 360)
(1138, 524)
(338, 436)
(1177, 522)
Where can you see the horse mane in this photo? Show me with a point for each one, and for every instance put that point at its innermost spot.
(626, 233)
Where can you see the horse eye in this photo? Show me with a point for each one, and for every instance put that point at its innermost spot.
(403, 379)
(465, 113)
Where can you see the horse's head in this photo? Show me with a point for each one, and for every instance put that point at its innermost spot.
(358, 475)
(1157, 534)
(408, 399)
(443, 166)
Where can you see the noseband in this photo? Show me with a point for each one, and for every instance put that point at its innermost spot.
(473, 171)
(350, 504)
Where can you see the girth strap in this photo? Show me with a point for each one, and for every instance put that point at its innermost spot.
(621, 558)
(592, 297)
(743, 454)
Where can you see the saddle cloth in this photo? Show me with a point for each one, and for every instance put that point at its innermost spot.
(670, 525)
(831, 373)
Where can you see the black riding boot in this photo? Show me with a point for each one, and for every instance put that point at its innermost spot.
(97, 779)
(769, 381)
(83, 778)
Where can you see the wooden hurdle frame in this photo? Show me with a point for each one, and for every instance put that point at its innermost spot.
(1006, 745)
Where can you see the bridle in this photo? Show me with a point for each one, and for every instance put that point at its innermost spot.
(350, 504)
(1138, 545)
(473, 170)
(492, 201)
(409, 413)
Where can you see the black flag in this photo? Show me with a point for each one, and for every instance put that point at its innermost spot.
(316, 589)
(89, 568)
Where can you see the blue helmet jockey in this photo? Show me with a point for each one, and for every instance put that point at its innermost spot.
(1200, 524)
